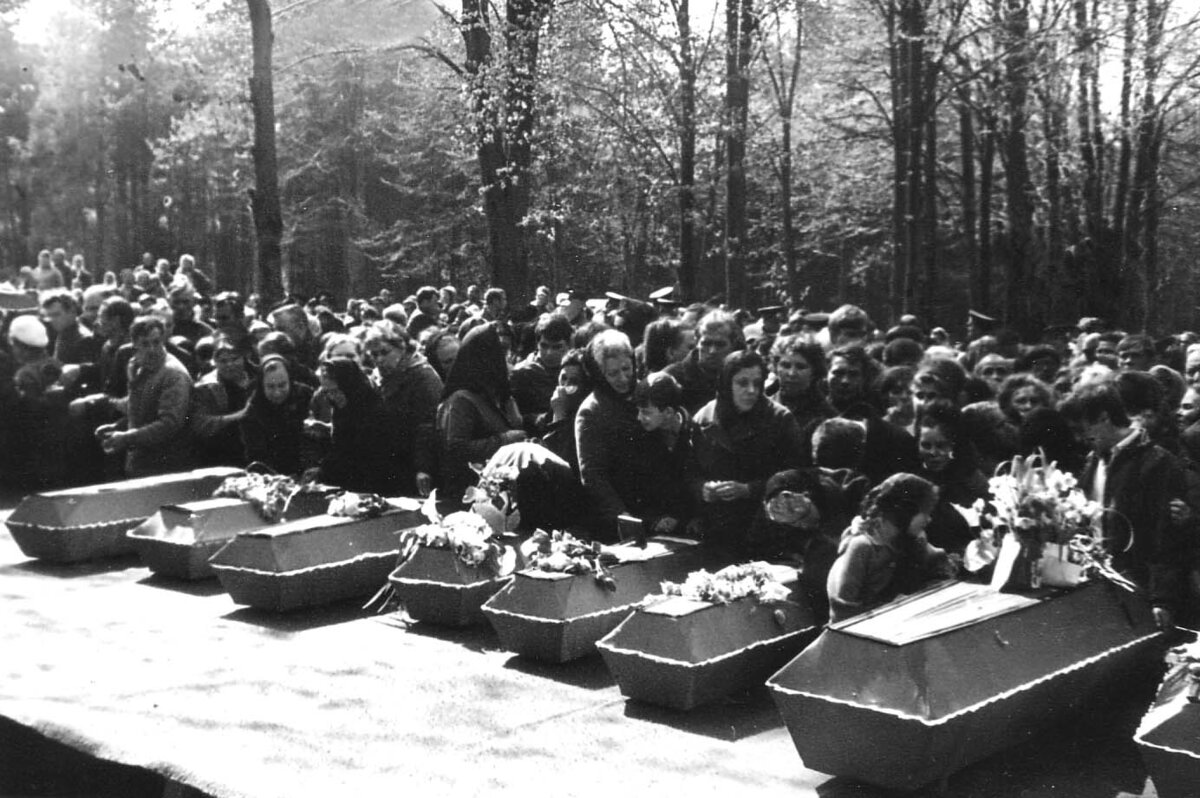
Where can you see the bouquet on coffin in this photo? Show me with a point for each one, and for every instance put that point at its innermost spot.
(755, 580)
(1038, 528)
(270, 495)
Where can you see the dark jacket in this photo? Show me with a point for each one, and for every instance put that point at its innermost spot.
(274, 434)
(1142, 480)
(699, 387)
(532, 386)
(156, 413)
(411, 400)
(759, 443)
(610, 443)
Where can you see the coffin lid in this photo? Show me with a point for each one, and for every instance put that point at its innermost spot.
(118, 501)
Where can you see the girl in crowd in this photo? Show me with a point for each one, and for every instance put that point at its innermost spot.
(884, 552)
(574, 386)
(272, 429)
(478, 414)
(739, 440)
(667, 341)
(947, 462)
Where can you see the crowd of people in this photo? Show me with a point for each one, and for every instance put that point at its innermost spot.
(810, 437)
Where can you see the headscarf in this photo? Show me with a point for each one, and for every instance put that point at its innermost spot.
(727, 412)
(481, 367)
(352, 382)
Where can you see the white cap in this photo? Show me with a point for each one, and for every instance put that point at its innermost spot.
(28, 330)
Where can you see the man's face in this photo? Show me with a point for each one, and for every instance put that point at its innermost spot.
(1134, 359)
(58, 317)
(224, 315)
(59, 259)
(431, 306)
(230, 364)
(715, 344)
(1106, 353)
(1189, 407)
(184, 307)
(551, 353)
(91, 310)
(1192, 369)
(845, 379)
(149, 351)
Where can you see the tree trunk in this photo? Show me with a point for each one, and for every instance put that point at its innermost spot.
(987, 166)
(264, 198)
(1093, 201)
(1019, 182)
(970, 218)
(739, 27)
(689, 255)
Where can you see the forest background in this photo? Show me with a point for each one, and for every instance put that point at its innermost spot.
(1035, 159)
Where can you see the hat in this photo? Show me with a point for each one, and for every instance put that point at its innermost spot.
(568, 296)
(29, 331)
(662, 293)
(981, 317)
(770, 310)
(616, 296)
(817, 320)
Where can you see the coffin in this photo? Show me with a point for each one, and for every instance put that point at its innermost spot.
(312, 561)
(681, 653)
(436, 586)
(179, 539)
(90, 523)
(918, 689)
(557, 617)
(1169, 735)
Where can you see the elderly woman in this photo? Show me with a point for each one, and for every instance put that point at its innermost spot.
(477, 414)
(411, 391)
(272, 426)
(884, 551)
(740, 439)
(608, 436)
(362, 453)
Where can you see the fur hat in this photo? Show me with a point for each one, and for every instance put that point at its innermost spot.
(28, 330)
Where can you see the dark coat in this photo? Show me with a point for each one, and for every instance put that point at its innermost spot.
(274, 434)
(1142, 480)
(411, 400)
(699, 387)
(759, 443)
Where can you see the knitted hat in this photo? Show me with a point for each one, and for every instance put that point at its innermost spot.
(28, 331)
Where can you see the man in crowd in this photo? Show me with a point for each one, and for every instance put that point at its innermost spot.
(1135, 352)
(154, 436)
(45, 276)
(1142, 484)
(183, 304)
(73, 343)
(698, 373)
(428, 313)
(534, 379)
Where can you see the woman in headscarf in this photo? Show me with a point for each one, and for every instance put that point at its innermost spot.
(273, 427)
(740, 439)
(478, 414)
(363, 451)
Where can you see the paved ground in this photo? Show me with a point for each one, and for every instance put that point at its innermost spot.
(398, 710)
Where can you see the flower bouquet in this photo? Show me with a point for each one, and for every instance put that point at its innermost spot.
(269, 494)
(1038, 528)
(561, 552)
(755, 580)
(451, 565)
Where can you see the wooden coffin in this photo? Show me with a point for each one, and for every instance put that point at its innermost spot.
(436, 586)
(90, 523)
(312, 561)
(179, 539)
(1169, 735)
(918, 689)
(557, 617)
(681, 653)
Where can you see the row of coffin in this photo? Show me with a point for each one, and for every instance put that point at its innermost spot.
(900, 697)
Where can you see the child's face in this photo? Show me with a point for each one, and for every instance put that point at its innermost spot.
(652, 418)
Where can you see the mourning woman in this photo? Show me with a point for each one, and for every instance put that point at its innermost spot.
(799, 369)
(884, 552)
(608, 437)
(477, 414)
(411, 391)
(947, 461)
(801, 520)
(739, 440)
(273, 427)
(362, 453)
